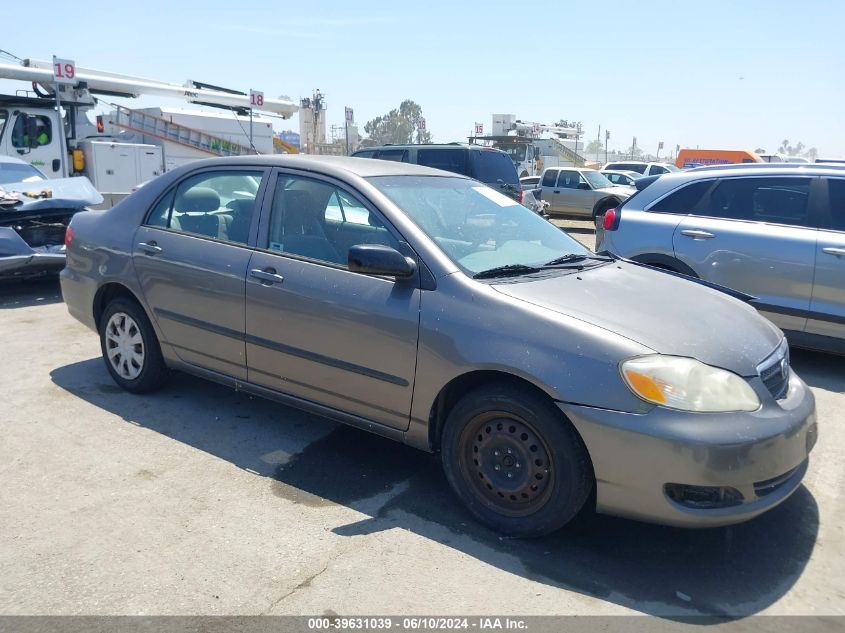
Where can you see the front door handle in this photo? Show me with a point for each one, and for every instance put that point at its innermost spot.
(267, 276)
(557, 190)
(698, 234)
(839, 252)
(150, 248)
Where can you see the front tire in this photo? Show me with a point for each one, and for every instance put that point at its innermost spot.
(130, 347)
(515, 461)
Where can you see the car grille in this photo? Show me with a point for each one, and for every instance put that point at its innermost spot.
(763, 488)
(774, 371)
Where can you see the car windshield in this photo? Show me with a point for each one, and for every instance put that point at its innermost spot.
(671, 167)
(479, 228)
(597, 180)
(515, 151)
(19, 172)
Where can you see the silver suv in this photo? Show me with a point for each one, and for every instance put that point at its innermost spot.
(776, 233)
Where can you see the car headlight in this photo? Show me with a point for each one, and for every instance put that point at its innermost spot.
(683, 383)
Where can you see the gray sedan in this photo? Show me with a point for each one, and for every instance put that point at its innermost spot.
(428, 308)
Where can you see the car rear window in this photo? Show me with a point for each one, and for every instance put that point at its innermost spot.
(683, 201)
(640, 169)
(491, 167)
(398, 155)
(772, 200)
(448, 159)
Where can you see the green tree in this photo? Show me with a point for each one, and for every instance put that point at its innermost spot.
(636, 151)
(594, 147)
(399, 126)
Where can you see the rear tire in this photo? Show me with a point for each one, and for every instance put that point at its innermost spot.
(130, 347)
(515, 461)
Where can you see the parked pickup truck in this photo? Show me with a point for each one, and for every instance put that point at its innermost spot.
(577, 191)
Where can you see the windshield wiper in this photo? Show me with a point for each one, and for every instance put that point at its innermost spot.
(576, 257)
(506, 271)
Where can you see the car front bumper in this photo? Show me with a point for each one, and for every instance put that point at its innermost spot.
(31, 264)
(640, 460)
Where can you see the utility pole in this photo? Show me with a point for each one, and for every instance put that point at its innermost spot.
(348, 117)
(606, 139)
(598, 143)
(633, 148)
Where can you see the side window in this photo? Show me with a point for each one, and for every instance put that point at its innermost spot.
(568, 179)
(454, 160)
(314, 219)
(614, 178)
(398, 155)
(837, 204)
(657, 169)
(365, 153)
(217, 204)
(772, 200)
(42, 131)
(684, 200)
(549, 178)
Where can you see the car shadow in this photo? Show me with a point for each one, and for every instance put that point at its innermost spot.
(820, 370)
(672, 573)
(26, 293)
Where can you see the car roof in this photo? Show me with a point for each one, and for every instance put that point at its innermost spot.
(475, 148)
(666, 183)
(626, 172)
(331, 165)
(12, 160)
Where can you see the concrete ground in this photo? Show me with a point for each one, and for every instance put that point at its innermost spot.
(202, 500)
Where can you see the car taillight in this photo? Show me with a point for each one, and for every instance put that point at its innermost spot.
(68, 236)
(521, 194)
(611, 219)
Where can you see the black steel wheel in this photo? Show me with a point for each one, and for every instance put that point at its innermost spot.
(515, 461)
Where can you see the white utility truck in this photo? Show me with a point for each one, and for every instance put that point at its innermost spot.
(125, 147)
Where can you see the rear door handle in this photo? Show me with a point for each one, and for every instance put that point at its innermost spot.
(839, 252)
(150, 248)
(698, 234)
(268, 276)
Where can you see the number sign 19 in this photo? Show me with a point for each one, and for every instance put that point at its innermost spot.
(64, 71)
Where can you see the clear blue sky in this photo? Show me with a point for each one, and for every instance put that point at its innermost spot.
(722, 74)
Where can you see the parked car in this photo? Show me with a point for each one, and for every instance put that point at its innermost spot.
(491, 166)
(621, 177)
(34, 213)
(576, 191)
(776, 233)
(431, 309)
(13, 170)
(645, 169)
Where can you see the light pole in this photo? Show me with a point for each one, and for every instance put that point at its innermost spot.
(606, 139)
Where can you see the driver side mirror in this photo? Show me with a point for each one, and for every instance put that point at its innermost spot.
(584, 186)
(377, 259)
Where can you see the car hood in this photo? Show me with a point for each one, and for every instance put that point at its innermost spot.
(668, 314)
(74, 193)
(618, 190)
